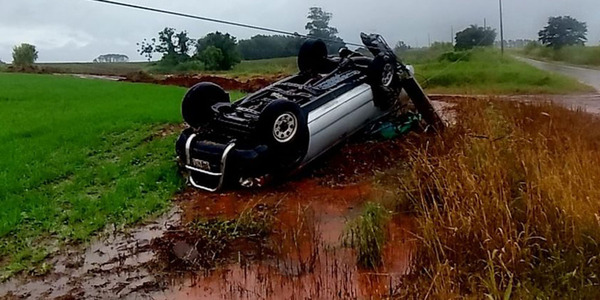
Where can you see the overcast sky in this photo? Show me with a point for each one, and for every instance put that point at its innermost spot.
(80, 30)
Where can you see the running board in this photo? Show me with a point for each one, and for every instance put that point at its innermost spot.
(190, 167)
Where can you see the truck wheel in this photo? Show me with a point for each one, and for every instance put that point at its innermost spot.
(312, 56)
(283, 127)
(384, 81)
(197, 103)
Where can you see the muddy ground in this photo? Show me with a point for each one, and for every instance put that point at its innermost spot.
(271, 243)
(245, 84)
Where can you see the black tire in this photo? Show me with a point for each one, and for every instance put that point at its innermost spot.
(287, 144)
(384, 81)
(197, 103)
(312, 56)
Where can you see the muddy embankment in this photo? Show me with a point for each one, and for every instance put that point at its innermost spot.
(249, 84)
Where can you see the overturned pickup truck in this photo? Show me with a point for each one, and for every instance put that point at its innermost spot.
(283, 127)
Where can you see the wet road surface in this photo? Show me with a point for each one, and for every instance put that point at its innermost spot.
(590, 77)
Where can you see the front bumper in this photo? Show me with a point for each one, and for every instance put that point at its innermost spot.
(211, 165)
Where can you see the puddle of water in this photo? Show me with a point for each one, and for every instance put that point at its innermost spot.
(110, 267)
(89, 76)
(309, 261)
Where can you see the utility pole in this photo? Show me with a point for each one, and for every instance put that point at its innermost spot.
(452, 35)
(484, 23)
(501, 29)
(429, 39)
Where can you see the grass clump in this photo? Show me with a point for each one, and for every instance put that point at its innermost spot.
(486, 71)
(367, 235)
(507, 204)
(577, 55)
(204, 243)
(273, 66)
(249, 224)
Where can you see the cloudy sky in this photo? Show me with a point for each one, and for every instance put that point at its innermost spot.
(80, 30)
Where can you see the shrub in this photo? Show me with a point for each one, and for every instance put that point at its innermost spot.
(226, 43)
(192, 65)
(455, 56)
(212, 57)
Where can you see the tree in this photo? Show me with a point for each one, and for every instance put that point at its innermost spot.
(318, 27)
(401, 47)
(147, 48)
(173, 46)
(230, 55)
(24, 55)
(563, 31)
(211, 57)
(475, 36)
(270, 46)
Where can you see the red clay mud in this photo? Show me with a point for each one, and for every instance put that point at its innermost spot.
(307, 259)
(251, 84)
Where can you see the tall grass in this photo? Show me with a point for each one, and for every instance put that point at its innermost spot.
(120, 69)
(508, 204)
(578, 55)
(486, 71)
(366, 234)
(286, 65)
(273, 66)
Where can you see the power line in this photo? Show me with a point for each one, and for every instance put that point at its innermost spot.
(249, 26)
(207, 19)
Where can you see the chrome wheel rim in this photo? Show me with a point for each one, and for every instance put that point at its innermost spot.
(388, 75)
(285, 127)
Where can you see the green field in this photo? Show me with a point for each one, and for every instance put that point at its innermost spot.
(119, 69)
(480, 71)
(285, 65)
(78, 154)
(576, 55)
(485, 71)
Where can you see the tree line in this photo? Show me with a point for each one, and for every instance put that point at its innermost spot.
(221, 51)
(559, 32)
(111, 58)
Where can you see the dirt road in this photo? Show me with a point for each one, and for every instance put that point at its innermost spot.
(590, 77)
